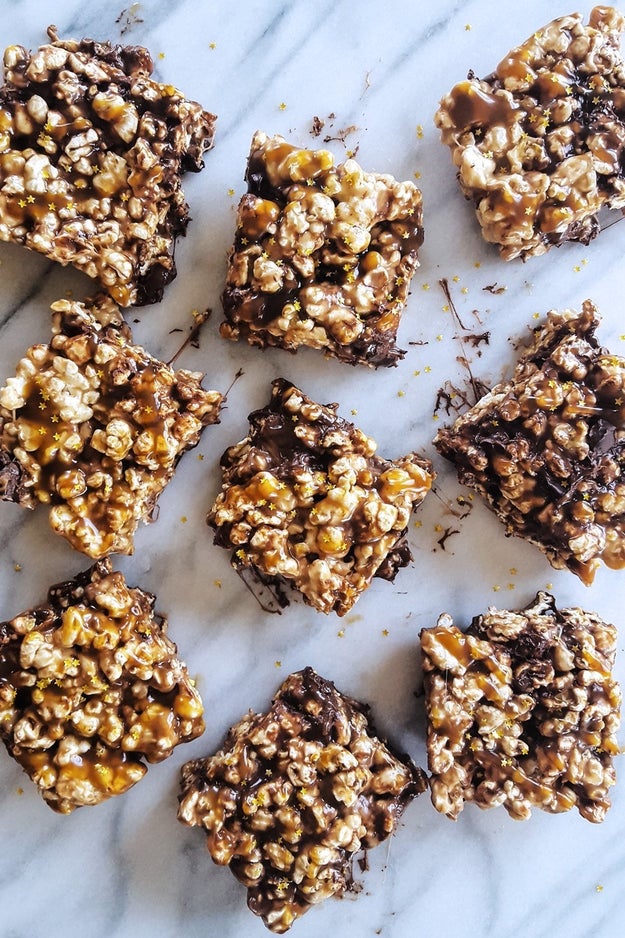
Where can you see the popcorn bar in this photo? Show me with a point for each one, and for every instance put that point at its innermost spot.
(538, 143)
(323, 255)
(294, 794)
(93, 427)
(522, 711)
(547, 451)
(306, 501)
(92, 151)
(91, 688)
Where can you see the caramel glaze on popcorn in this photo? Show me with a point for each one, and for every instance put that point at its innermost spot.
(539, 143)
(547, 449)
(90, 687)
(294, 794)
(306, 500)
(522, 711)
(91, 154)
(93, 426)
(323, 255)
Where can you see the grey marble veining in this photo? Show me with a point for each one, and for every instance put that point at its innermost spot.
(128, 868)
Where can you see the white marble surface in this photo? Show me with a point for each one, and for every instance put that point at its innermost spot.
(128, 868)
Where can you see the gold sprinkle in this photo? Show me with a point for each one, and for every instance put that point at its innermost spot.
(283, 884)
(401, 394)
(42, 431)
(416, 373)
(535, 315)
(212, 45)
(439, 337)
(278, 664)
(418, 524)
(81, 183)
(385, 632)
(52, 206)
(17, 567)
(445, 308)
(506, 761)
(340, 634)
(354, 411)
(217, 583)
(161, 55)
(417, 175)
(510, 586)
(282, 106)
(464, 290)
(438, 528)
(22, 203)
(56, 437)
(468, 27)
(496, 589)
(577, 268)
(513, 571)
(548, 586)
(230, 192)
(54, 418)
(435, 417)
(599, 887)
(425, 286)
(477, 264)
(427, 369)
(419, 131)
(124, 197)
(184, 519)
(200, 456)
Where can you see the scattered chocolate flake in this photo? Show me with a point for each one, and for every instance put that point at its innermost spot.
(317, 126)
(495, 289)
(476, 339)
(444, 285)
(447, 533)
(268, 594)
(193, 338)
(129, 18)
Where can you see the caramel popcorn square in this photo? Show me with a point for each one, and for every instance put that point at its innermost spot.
(323, 255)
(294, 794)
(91, 688)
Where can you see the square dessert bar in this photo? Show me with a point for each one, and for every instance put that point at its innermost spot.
(323, 255)
(93, 427)
(538, 144)
(547, 449)
(306, 501)
(522, 711)
(92, 151)
(91, 688)
(294, 794)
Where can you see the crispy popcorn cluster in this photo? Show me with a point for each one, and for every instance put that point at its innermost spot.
(547, 449)
(307, 501)
(323, 255)
(90, 687)
(92, 151)
(93, 427)
(522, 711)
(294, 794)
(538, 144)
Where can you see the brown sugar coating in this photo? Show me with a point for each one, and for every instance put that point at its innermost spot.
(294, 793)
(93, 427)
(538, 144)
(306, 501)
(323, 255)
(522, 711)
(547, 449)
(92, 151)
(91, 688)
